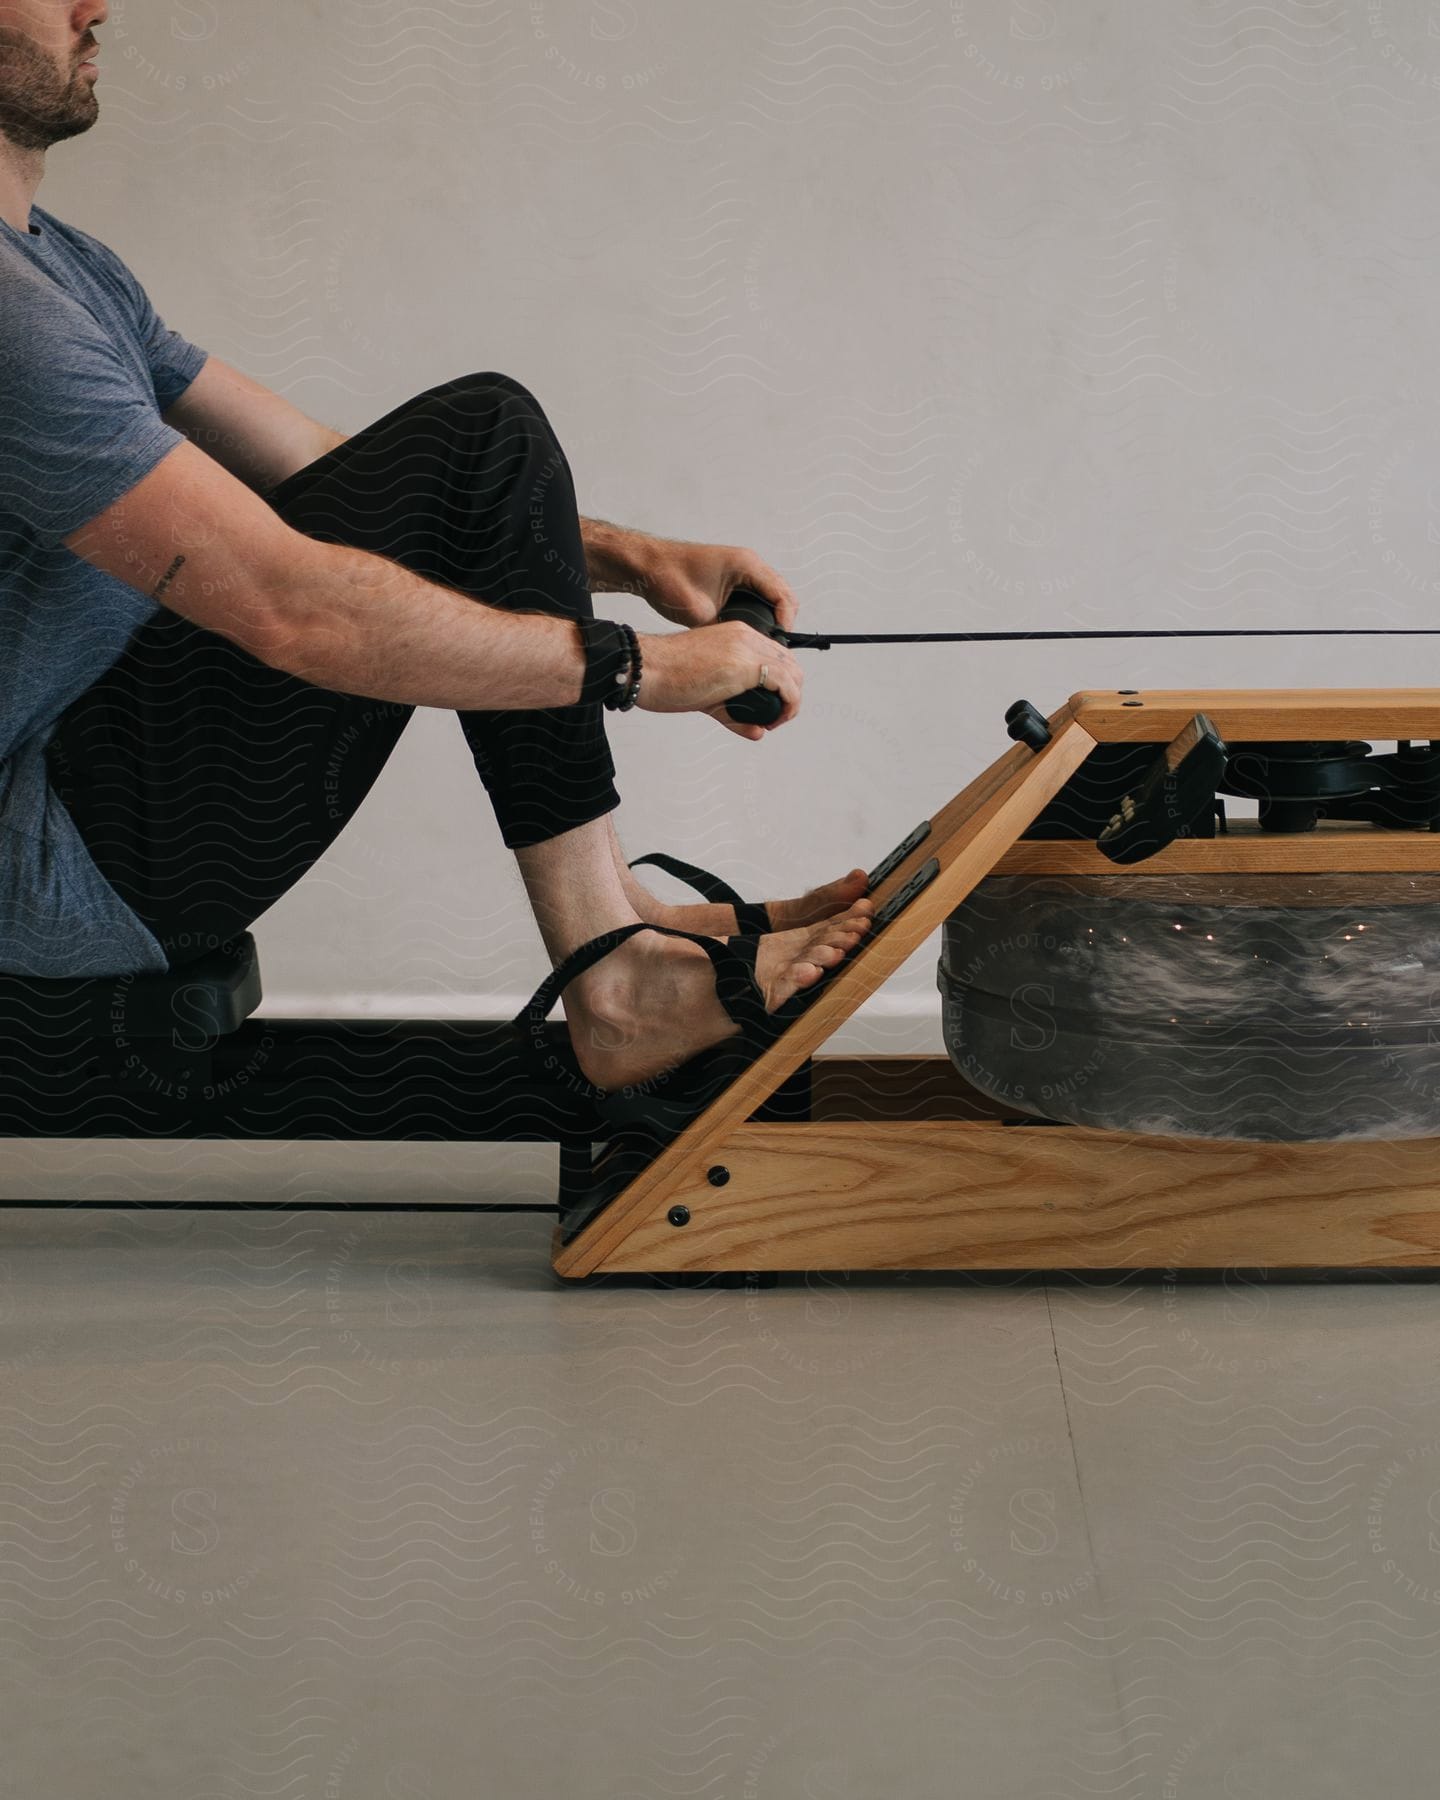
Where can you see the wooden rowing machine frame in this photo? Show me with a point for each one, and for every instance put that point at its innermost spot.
(901, 1165)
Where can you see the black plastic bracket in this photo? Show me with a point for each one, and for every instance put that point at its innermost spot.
(902, 897)
(887, 865)
(1179, 785)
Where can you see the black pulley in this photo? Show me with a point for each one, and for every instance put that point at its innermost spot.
(1296, 783)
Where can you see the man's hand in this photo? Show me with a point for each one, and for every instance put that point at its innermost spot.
(685, 583)
(701, 671)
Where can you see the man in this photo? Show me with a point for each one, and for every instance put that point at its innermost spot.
(217, 616)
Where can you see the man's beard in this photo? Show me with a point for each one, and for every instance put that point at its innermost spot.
(38, 109)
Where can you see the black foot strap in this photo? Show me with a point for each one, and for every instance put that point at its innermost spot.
(750, 915)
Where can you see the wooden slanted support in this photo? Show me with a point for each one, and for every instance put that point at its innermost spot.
(865, 1184)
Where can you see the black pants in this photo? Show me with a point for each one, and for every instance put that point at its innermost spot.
(205, 784)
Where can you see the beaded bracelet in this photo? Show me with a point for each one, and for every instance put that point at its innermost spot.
(607, 657)
(632, 691)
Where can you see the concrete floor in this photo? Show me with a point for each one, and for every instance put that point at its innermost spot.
(363, 1507)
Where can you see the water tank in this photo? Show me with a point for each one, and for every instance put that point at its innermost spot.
(1269, 1007)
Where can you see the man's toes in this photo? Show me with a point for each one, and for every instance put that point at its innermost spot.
(848, 889)
(836, 940)
(822, 903)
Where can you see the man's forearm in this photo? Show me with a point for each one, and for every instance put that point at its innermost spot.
(615, 558)
(265, 473)
(361, 624)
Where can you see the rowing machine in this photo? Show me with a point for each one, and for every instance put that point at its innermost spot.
(901, 1163)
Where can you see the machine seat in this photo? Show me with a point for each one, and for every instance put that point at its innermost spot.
(206, 998)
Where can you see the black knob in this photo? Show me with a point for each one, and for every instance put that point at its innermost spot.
(1027, 725)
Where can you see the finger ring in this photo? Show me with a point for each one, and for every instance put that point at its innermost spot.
(764, 675)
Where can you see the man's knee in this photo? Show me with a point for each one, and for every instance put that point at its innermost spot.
(487, 391)
(489, 378)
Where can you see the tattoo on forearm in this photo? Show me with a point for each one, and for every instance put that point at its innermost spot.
(168, 577)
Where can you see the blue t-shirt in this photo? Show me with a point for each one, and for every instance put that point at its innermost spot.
(86, 370)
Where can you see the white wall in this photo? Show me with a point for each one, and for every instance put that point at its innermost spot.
(966, 315)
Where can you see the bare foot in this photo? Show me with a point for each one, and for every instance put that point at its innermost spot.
(651, 1004)
(827, 902)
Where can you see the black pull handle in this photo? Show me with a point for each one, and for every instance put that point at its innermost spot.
(760, 706)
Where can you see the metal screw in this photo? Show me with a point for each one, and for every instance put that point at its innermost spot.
(679, 1215)
(718, 1176)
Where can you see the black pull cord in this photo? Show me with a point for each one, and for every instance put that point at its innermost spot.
(762, 706)
(811, 640)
